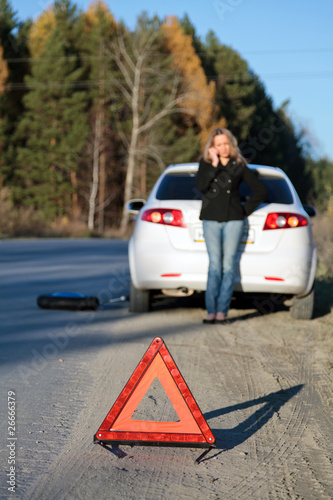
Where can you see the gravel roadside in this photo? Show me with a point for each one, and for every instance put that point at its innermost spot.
(264, 385)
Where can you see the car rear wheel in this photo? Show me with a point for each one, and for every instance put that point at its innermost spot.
(139, 300)
(303, 307)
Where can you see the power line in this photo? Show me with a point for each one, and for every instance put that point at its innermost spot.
(157, 54)
(287, 51)
(236, 78)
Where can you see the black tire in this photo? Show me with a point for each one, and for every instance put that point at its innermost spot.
(139, 300)
(303, 307)
(76, 302)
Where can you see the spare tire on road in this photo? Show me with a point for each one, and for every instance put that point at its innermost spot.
(69, 301)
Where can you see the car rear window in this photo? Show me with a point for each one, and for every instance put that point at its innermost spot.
(278, 190)
(182, 187)
(178, 187)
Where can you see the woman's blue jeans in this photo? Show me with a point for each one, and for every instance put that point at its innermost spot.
(222, 242)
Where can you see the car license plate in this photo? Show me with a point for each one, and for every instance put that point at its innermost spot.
(198, 235)
(247, 237)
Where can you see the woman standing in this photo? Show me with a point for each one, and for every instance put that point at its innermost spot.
(222, 168)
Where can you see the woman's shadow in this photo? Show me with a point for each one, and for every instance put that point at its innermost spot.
(227, 439)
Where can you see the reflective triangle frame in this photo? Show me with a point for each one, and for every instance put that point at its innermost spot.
(118, 426)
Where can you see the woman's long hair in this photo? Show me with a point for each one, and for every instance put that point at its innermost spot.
(235, 153)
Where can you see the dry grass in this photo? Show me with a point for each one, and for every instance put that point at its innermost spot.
(323, 235)
(29, 223)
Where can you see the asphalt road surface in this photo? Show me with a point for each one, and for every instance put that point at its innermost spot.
(263, 383)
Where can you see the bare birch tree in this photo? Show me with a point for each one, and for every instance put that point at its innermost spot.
(149, 87)
(95, 174)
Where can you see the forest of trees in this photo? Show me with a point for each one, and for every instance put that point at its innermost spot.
(91, 112)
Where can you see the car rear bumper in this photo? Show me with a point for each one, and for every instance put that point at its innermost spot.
(292, 273)
(167, 268)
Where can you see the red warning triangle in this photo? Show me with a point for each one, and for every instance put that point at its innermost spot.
(190, 430)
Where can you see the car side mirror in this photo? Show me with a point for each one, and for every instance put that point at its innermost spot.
(134, 206)
(310, 210)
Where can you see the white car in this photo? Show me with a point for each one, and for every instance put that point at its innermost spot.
(167, 252)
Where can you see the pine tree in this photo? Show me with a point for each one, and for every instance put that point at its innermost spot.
(321, 171)
(285, 148)
(14, 67)
(40, 32)
(55, 123)
(200, 94)
(235, 84)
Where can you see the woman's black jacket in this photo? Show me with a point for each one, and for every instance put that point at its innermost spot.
(219, 188)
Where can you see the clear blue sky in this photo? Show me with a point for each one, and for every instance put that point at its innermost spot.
(287, 43)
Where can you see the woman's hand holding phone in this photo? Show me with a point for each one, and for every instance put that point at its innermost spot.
(214, 156)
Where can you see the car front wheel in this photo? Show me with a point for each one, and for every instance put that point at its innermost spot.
(139, 300)
(303, 307)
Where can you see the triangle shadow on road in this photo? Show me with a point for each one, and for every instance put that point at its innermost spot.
(227, 439)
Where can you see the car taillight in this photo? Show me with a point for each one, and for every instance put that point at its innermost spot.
(165, 216)
(281, 220)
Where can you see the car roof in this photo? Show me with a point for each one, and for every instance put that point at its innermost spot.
(193, 167)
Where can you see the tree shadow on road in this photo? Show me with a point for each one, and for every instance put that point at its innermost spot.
(227, 439)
